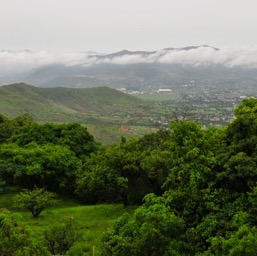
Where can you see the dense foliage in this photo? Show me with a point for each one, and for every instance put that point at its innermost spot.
(126, 172)
(60, 239)
(47, 156)
(209, 203)
(198, 185)
(15, 239)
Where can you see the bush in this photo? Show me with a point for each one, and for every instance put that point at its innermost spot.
(16, 239)
(36, 200)
(60, 238)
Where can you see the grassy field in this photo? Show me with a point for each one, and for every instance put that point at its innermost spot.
(159, 97)
(90, 221)
(109, 134)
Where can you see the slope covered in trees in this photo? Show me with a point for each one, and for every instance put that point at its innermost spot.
(198, 186)
(209, 202)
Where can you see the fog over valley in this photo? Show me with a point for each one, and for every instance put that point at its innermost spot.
(13, 62)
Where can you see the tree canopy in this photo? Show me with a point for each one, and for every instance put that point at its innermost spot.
(209, 193)
(195, 187)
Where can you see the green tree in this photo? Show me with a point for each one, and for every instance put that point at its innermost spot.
(72, 135)
(6, 128)
(36, 200)
(154, 229)
(10, 127)
(47, 166)
(17, 240)
(210, 186)
(241, 133)
(114, 174)
(98, 181)
(240, 242)
(126, 172)
(61, 238)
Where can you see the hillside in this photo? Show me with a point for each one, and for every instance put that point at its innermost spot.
(66, 104)
(98, 108)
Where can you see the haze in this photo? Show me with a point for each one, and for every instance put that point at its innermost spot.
(108, 26)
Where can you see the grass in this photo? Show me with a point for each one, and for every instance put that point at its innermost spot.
(66, 104)
(159, 97)
(109, 134)
(103, 110)
(90, 221)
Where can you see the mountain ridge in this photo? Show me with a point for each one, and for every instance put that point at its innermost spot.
(145, 70)
(74, 103)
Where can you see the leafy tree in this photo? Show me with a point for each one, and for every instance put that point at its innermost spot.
(154, 229)
(190, 174)
(240, 161)
(71, 135)
(241, 242)
(100, 181)
(36, 200)
(126, 172)
(6, 128)
(17, 240)
(241, 133)
(46, 166)
(61, 238)
(114, 174)
(9, 127)
(210, 185)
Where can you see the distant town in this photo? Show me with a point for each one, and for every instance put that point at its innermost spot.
(209, 107)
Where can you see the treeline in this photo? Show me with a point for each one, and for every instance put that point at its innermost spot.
(45, 156)
(198, 186)
(209, 201)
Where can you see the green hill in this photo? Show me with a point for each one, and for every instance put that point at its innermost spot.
(100, 107)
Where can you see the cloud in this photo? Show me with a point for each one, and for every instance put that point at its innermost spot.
(22, 61)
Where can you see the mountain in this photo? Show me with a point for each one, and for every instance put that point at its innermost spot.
(202, 67)
(69, 104)
(144, 76)
(145, 53)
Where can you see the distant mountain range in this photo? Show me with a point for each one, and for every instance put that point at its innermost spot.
(145, 53)
(196, 66)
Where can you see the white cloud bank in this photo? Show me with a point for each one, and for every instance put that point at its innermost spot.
(21, 61)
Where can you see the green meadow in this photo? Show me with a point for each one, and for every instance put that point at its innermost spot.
(90, 220)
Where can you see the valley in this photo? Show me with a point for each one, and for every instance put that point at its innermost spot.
(110, 113)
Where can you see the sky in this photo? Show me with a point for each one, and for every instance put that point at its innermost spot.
(60, 26)
(63, 31)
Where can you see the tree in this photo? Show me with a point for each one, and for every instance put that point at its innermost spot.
(36, 200)
(6, 128)
(114, 174)
(126, 172)
(61, 238)
(98, 181)
(48, 166)
(17, 240)
(154, 229)
(10, 127)
(210, 193)
(71, 135)
(240, 242)
(241, 133)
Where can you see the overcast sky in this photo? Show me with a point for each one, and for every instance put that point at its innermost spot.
(112, 25)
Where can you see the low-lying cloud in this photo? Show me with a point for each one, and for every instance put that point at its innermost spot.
(21, 61)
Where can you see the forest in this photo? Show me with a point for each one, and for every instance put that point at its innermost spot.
(189, 190)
